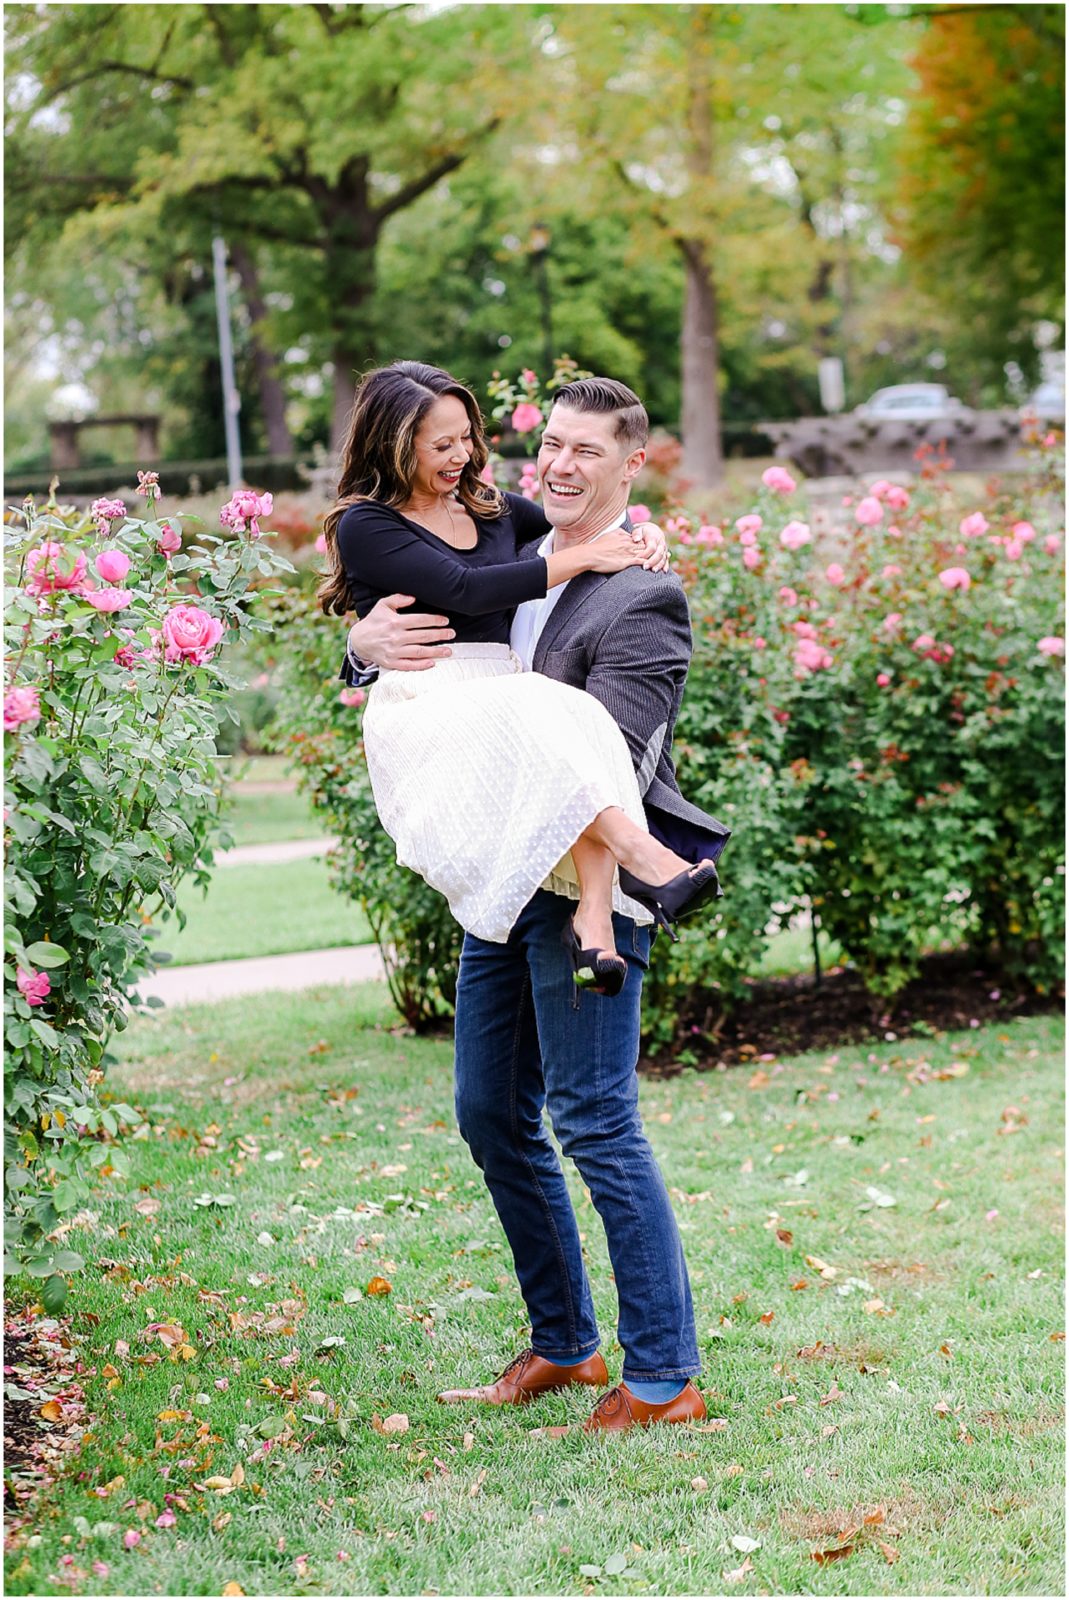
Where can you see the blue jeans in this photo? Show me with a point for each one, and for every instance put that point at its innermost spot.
(522, 1045)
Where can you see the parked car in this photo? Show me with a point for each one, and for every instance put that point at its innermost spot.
(1047, 401)
(911, 402)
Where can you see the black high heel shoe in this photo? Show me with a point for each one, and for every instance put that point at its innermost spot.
(680, 897)
(593, 969)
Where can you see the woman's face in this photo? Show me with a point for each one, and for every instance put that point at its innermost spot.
(443, 447)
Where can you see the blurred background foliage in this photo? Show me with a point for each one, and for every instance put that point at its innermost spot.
(703, 200)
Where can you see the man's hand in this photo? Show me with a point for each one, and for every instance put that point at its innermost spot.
(657, 557)
(409, 643)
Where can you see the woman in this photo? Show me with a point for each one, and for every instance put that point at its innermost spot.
(485, 776)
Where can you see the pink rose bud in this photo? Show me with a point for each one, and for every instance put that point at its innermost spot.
(788, 596)
(751, 523)
(352, 697)
(869, 511)
(795, 535)
(638, 513)
(321, 544)
(22, 704)
(1051, 645)
(1014, 550)
(891, 571)
(1023, 531)
(34, 987)
(779, 480)
(108, 599)
(751, 559)
(525, 417)
(835, 574)
(973, 526)
(883, 679)
(955, 578)
(113, 565)
(190, 634)
(896, 498)
(1052, 544)
(169, 542)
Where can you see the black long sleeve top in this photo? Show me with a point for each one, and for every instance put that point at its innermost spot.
(384, 552)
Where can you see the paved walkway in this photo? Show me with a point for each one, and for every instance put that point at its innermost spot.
(263, 855)
(225, 980)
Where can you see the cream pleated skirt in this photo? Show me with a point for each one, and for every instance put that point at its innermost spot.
(484, 776)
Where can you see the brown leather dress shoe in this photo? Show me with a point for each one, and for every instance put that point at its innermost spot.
(619, 1410)
(526, 1378)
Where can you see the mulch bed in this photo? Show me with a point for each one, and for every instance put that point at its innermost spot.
(787, 1016)
(45, 1415)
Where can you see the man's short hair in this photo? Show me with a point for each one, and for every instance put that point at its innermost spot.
(609, 398)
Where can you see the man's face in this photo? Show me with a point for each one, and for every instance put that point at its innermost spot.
(586, 473)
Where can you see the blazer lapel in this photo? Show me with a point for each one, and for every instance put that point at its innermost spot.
(576, 593)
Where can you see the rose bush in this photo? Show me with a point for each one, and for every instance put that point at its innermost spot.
(112, 797)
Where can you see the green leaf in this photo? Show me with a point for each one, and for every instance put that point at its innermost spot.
(615, 1564)
(54, 1294)
(68, 1261)
(46, 954)
(271, 1427)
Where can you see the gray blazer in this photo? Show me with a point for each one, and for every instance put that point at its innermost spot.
(626, 639)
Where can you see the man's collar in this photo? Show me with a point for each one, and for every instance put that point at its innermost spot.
(546, 548)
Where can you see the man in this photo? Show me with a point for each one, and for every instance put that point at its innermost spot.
(525, 1039)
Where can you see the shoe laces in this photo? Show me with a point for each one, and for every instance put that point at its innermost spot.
(517, 1366)
(611, 1403)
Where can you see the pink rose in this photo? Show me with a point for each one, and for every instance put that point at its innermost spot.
(525, 417)
(113, 565)
(709, 535)
(148, 484)
(21, 705)
(169, 542)
(883, 679)
(894, 531)
(126, 656)
(107, 510)
(788, 596)
(880, 488)
(352, 697)
(751, 559)
(1051, 645)
(759, 643)
(811, 657)
(804, 630)
(835, 574)
(897, 498)
(190, 634)
(487, 475)
(751, 523)
(1023, 531)
(891, 621)
(34, 987)
(638, 513)
(891, 571)
(973, 526)
(869, 511)
(747, 538)
(1052, 544)
(685, 537)
(108, 599)
(243, 510)
(779, 480)
(955, 578)
(166, 1519)
(923, 641)
(1014, 550)
(131, 1539)
(320, 546)
(45, 576)
(795, 535)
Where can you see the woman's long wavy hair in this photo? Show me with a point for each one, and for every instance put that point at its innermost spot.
(379, 455)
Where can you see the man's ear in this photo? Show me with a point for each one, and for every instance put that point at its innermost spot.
(634, 465)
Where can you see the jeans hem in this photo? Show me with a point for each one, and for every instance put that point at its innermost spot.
(661, 1374)
(576, 1355)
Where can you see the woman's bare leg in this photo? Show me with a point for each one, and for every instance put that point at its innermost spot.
(634, 848)
(595, 867)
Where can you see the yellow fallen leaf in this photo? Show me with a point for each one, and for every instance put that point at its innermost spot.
(220, 1484)
(231, 1588)
(171, 1416)
(238, 1475)
(379, 1286)
(52, 1411)
(873, 1307)
(826, 1271)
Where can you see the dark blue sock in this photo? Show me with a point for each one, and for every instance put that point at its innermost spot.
(657, 1392)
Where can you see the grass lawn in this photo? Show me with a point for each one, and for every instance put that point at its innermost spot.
(263, 911)
(896, 1361)
(267, 818)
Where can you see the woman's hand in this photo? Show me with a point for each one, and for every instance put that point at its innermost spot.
(656, 546)
(614, 551)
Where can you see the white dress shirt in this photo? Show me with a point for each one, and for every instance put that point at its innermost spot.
(532, 615)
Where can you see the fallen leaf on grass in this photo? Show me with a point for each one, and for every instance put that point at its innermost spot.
(379, 1286)
(699, 1484)
(837, 1552)
(826, 1271)
(874, 1308)
(396, 1423)
(232, 1588)
(469, 1441)
(52, 1411)
(767, 1317)
(715, 1425)
(744, 1544)
(477, 1483)
(147, 1207)
(890, 1554)
(1057, 1338)
(737, 1574)
(833, 1394)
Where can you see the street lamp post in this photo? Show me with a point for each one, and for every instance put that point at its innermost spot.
(231, 397)
(539, 248)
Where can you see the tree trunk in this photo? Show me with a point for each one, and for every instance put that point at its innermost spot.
(703, 461)
(272, 394)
